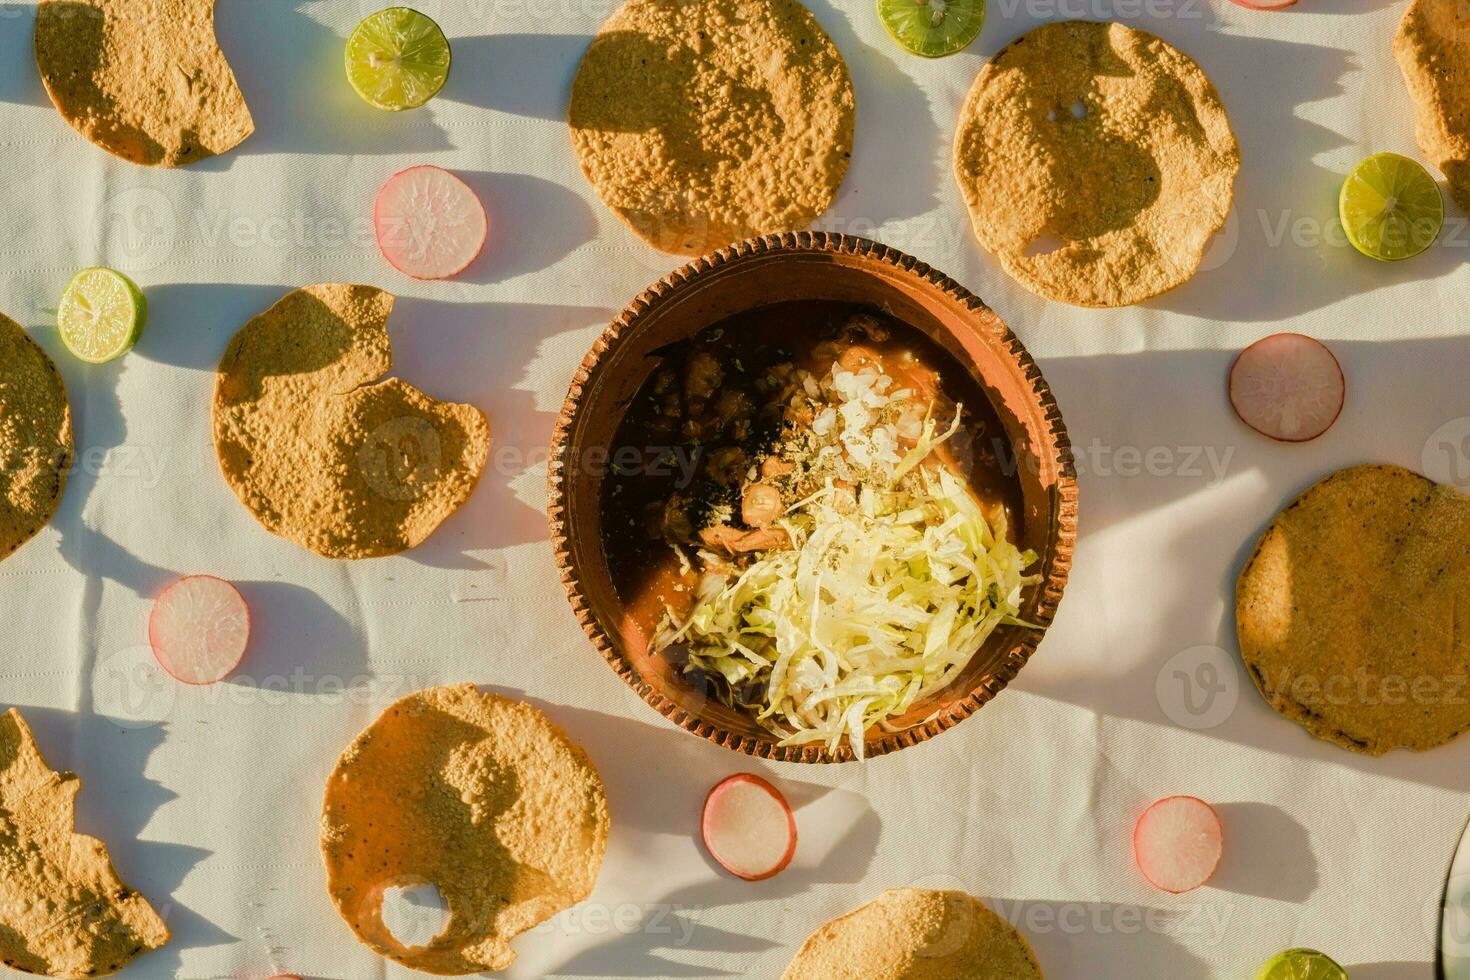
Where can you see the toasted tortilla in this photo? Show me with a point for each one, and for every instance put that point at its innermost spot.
(36, 448)
(1349, 612)
(1097, 162)
(916, 934)
(1433, 51)
(321, 451)
(703, 122)
(64, 912)
(143, 79)
(478, 795)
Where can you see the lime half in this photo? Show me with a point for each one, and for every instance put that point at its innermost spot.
(101, 315)
(1301, 964)
(1391, 207)
(933, 28)
(397, 59)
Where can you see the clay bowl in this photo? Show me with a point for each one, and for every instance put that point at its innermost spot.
(807, 266)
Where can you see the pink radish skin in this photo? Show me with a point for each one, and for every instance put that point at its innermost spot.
(199, 629)
(1265, 4)
(429, 223)
(748, 827)
(1288, 387)
(1178, 843)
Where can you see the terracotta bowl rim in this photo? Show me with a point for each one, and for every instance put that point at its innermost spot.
(1061, 537)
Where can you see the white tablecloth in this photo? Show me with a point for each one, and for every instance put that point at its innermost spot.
(209, 798)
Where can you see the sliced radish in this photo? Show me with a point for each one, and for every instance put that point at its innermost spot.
(429, 223)
(748, 827)
(199, 628)
(1177, 843)
(1287, 386)
(1266, 4)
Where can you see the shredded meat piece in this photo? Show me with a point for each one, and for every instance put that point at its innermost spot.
(775, 466)
(761, 505)
(702, 377)
(734, 541)
(857, 357)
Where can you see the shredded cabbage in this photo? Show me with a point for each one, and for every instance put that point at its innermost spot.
(875, 606)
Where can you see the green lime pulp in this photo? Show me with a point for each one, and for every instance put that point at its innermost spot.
(933, 28)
